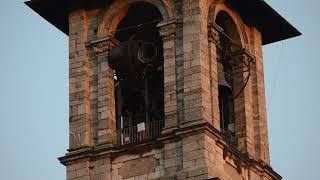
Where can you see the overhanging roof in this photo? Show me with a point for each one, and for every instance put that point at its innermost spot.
(56, 12)
(272, 25)
(255, 12)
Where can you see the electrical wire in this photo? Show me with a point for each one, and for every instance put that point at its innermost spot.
(276, 75)
(277, 72)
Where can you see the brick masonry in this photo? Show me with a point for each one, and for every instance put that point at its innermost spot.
(191, 146)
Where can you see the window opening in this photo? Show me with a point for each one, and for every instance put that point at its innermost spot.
(138, 74)
(233, 73)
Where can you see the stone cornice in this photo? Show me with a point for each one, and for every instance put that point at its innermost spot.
(230, 151)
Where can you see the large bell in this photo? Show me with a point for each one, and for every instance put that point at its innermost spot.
(147, 52)
(133, 51)
(221, 77)
(131, 56)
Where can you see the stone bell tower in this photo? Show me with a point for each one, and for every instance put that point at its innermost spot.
(167, 89)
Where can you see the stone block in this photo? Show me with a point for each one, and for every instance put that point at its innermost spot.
(197, 171)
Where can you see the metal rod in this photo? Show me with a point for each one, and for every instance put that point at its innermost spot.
(146, 98)
(229, 38)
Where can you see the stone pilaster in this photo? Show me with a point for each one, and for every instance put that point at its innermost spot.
(167, 31)
(213, 37)
(106, 122)
(259, 102)
(79, 83)
(243, 104)
(197, 101)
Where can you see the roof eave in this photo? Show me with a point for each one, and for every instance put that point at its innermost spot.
(271, 24)
(57, 16)
(257, 13)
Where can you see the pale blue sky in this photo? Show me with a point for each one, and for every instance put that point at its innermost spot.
(34, 94)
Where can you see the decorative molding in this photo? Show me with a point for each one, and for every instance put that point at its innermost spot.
(240, 160)
(103, 46)
(214, 33)
(167, 29)
(244, 56)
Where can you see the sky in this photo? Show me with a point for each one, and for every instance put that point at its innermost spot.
(34, 94)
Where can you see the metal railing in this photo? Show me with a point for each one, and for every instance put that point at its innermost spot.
(140, 133)
(230, 138)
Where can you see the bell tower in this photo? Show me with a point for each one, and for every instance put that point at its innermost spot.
(167, 89)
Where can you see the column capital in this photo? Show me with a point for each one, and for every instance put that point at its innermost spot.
(243, 56)
(103, 46)
(214, 33)
(167, 29)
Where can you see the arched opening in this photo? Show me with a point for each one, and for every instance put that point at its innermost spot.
(229, 74)
(138, 74)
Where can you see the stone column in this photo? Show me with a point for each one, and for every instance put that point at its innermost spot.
(106, 131)
(213, 38)
(167, 30)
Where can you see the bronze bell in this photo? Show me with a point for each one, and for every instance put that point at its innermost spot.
(221, 77)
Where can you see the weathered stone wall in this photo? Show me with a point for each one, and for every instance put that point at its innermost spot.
(147, 165)
(191, 100)
(259, 100)
(79, 170)
(197, 106)
(80, 76)
(227, 165)
(194, 162)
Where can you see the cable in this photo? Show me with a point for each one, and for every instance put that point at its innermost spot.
(244, 86)
(276, 76)
(277, 71)
(229, 38)
(138, 25)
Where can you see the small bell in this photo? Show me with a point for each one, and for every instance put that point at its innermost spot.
(221, 77)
